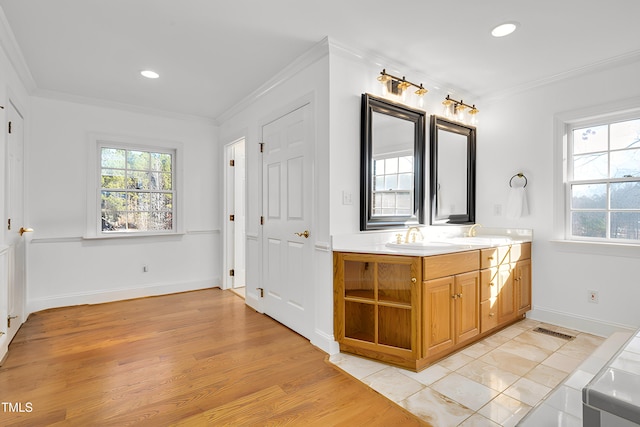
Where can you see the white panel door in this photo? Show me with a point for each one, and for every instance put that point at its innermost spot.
(287, 207)
(15, 222)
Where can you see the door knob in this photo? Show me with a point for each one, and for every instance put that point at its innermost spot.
(25, 230)
(304, 234)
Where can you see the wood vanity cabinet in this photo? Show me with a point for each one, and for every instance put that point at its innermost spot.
(411, 311)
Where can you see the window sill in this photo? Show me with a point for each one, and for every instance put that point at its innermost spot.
(599, 248)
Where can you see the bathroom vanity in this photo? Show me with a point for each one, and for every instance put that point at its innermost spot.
(410, 304)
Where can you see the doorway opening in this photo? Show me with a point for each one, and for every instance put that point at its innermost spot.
(234, 272)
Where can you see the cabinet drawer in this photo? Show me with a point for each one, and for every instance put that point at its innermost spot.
(449, 264)
(488, 283)
(521, 251)
(492, 257)
(488, 314)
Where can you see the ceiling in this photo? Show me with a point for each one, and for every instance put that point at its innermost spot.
(211, 54)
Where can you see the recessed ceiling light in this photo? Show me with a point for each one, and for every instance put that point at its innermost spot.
(504, 29)
(150, 74)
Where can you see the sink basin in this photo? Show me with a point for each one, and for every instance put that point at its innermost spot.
(483, 240)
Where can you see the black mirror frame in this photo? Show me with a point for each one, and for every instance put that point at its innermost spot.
(440, 123)
(371, 104)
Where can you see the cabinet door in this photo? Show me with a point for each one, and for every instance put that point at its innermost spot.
(467, 304)
(523, 286)
(376, 303)
(438, 309)
(506, 293)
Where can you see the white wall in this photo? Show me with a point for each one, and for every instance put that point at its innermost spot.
(517, 135)
(64, 268)
(353, 74)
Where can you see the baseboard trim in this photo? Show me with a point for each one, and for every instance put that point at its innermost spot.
(325, 342)
(579, 323)
(119, 294)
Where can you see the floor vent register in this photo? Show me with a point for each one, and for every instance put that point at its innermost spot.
(554, 333)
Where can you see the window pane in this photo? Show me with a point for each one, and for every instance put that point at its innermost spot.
(625, 134)
(112, 178)
(160, 181)
(590, 140)
(388, 200)
(378, 184)
(138, 160)
(138, 221)
(589, 196)
(625, 195)
(138, 180)
(590, 166)
(625, 225)
(589, 224)
(160, 221)
(405, 164)
(404, 203)
(377, 204)
(625, 163)
(113, 203)
(112, 158)
(405, 181)
(378, 167)
(391, 182)
(161, 202)
(391, 165)
(138, 201)
(161, 162)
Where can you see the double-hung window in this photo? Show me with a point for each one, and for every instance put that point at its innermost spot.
(603, 180)
(137, 189)
(393, 185)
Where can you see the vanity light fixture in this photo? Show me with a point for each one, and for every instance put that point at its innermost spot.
(398, 86)
(454, 109)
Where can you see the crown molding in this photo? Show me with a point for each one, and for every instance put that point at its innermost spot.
(613, 62)
(311, 56)
(14, 54)
(98, 102)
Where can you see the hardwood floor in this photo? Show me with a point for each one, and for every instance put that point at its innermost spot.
(191, 359)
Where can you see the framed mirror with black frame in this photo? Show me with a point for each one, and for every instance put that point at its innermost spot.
(453, 172)
(392, 164)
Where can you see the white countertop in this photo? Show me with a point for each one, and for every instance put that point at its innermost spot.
(435, 241)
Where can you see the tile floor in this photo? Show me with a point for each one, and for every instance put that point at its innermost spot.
(494, 382)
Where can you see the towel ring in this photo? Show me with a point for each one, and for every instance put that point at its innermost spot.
(518, 175)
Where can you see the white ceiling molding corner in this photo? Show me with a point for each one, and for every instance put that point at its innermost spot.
(14, 54)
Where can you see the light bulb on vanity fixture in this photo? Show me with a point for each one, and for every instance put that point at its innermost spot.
(454, 109)
(393, 85)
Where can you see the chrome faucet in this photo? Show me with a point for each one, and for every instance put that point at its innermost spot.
(409, 234)
(472, 230)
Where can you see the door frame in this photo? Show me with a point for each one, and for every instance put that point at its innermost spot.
(8, 253)
(229, 229)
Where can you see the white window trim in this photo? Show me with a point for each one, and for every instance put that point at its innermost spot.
(627, 108)
(93, 228)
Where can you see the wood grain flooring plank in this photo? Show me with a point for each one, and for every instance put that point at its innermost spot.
(189, 359)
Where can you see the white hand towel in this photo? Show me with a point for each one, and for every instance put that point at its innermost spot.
(517, 203)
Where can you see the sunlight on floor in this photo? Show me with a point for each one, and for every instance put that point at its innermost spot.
(494, 382)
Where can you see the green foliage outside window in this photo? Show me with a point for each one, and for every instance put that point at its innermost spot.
(136, 190)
